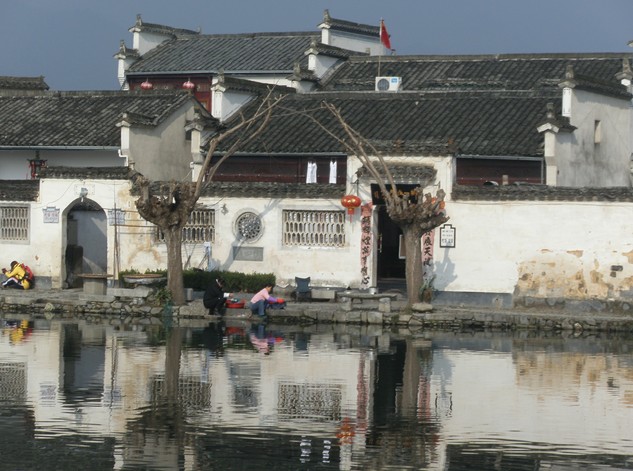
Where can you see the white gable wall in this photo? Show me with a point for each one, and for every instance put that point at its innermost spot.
(144, 41)
(225, 104)
(583, 162)
(162, 153)
(353, 42)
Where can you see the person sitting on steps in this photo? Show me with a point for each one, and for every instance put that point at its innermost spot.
(215, 298)
(16, 277)
(261, 300)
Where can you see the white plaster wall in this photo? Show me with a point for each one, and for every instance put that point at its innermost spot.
(541, 249)
(320, 63)
(144, 41)
(48, 240)
(354, 42)
(163, 153)
(14, 164)
(583, 163)
(325, 265)
(224, 104)
(280, 80)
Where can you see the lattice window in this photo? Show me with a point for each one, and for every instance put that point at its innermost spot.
(200, 227)
(14, 223)
(13, 381)
(320, 402)
(314, 228)
(192, 393)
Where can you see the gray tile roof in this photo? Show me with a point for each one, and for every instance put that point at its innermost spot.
(79, 119)
(479, 123)
(253, 52)
(141, 25)
(19, 190)
(22, 83)
(485, 72)
(349, 26)
(539, 193)
(262, 190)
(273, 190)
(85, 173)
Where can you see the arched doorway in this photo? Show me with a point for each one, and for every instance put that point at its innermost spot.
(86, 248)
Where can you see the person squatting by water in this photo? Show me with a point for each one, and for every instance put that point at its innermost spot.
(16, 277)
(262, 300)
(214, 298)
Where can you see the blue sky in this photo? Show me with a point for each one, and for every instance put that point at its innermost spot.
(72, 42)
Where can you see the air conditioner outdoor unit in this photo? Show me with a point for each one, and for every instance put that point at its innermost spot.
(388, 84)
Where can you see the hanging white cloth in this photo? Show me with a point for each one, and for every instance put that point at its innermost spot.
(311, 173)
(332, 171)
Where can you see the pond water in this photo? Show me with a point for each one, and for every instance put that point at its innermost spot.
(232, 396)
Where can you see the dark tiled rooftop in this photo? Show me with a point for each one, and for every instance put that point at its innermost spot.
(23, 83)
(252, 52)
(141, 25)
(480, 123)
(19, 190)
(97, 173)
(478, 72)
(539, 193)
(264, 190)
(79, 119)
(349, 26)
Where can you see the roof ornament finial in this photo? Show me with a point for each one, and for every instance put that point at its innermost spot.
(550, 113)
(220, 75)
(326, 16)
(569, 72)
(139, 22)
(296, 68)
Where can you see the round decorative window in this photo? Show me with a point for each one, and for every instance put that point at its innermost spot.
(249, 227)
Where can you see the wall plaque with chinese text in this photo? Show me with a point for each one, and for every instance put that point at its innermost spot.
(50, 215)
(447, 236)
(251, 254)
(116, 216)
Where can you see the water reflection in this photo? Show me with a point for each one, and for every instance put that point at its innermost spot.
(257, 396)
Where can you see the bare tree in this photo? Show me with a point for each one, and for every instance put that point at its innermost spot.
(170, 205)
(413, 216)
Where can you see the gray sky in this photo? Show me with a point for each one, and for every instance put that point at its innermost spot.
(72, 42)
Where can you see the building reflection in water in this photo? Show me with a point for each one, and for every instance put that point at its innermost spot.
(253, 396)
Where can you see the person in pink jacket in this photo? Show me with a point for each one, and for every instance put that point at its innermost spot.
(261, 300)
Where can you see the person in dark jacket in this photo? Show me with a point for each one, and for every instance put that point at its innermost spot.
(214, 298)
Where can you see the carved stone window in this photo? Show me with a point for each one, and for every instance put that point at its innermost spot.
(314, 228)
(200, 227)
(14, 222)
(249, 227)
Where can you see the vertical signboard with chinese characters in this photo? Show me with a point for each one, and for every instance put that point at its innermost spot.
(447, 236)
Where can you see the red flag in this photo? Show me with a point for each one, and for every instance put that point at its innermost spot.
(384, 36)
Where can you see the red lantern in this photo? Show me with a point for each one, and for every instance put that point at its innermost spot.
(351, 202)
(189, 85)
(147, 85)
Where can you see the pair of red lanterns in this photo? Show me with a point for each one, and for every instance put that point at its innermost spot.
(188, 85)
(351, 202)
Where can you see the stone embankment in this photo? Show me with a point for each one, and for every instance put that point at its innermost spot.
(139, 306)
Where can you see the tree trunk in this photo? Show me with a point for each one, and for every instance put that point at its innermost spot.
(175, 282)
(414, 269)
(173, 352)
